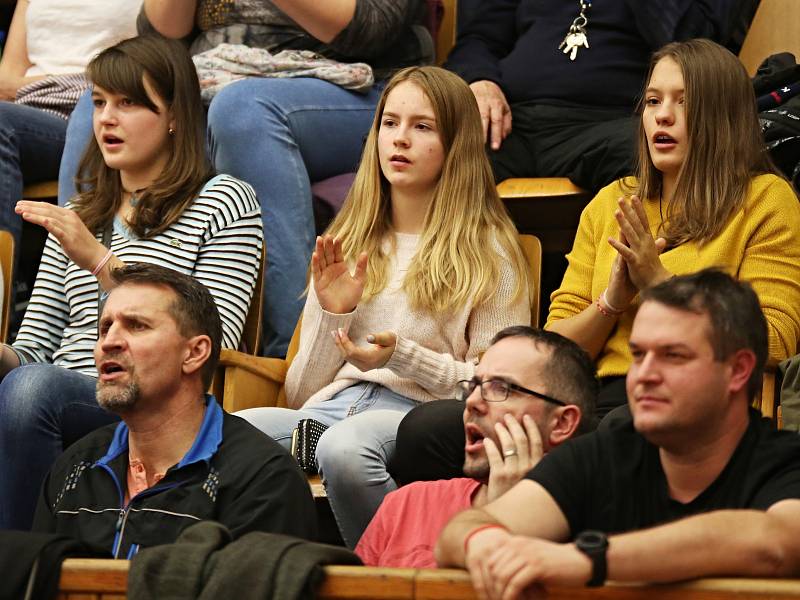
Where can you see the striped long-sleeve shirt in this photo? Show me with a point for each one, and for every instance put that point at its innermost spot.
(217, 240)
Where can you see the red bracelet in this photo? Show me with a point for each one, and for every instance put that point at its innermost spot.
(479, 529)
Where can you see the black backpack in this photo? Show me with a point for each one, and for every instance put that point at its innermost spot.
(777, 88)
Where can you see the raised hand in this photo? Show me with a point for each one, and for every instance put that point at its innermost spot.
(495, 111)
(66, 226)
(520, 450)
(365, 358)
(337, 290)
(641, 253)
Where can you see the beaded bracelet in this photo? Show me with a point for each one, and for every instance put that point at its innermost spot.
(479, 529)
(103, 262)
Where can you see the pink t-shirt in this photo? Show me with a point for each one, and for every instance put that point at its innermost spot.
(404, 531)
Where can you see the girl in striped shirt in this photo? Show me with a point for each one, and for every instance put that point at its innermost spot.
(149, 196)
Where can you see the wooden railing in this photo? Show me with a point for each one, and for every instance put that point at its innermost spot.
(92, 579)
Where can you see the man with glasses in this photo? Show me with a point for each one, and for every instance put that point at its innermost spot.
(529, 394)
(696, 484)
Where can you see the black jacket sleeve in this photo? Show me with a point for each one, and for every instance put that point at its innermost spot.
(490, 36)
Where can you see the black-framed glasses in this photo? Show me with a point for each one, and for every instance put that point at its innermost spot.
(497, 390)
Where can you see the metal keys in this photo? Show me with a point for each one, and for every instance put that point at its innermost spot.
(576, 36)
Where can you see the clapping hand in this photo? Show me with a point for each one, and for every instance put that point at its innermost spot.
(66, 226)
(637, 247)
(337, 290)
(520, 450)
(365, 358)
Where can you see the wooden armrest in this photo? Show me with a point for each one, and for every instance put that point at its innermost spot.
(273, 369)
(245, 381)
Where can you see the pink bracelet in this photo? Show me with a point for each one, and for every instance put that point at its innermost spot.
(103, 262)
(478, 530)
(607, 309)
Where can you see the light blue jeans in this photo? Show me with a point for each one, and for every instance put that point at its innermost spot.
(43, 410)
(79, 132)
(278, 135)
(353, 453)
(31, 141)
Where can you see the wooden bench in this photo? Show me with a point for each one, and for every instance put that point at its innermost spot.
(93, 579)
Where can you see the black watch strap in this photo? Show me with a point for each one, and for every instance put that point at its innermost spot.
(594, 544)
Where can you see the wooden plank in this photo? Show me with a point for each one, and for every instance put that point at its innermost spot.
(96, 579)
(443, 584)
(535, 187)
(317, 489)
(367, 583)
(94, 575)
(451, 584)
(40, 191)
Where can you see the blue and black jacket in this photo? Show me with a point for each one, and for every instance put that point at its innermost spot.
(232, 474)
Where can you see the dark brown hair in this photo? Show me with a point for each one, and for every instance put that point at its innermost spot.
(569, 373)
(737, 321)
(170, 73)
(194, 309)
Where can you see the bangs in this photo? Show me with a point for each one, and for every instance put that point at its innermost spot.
(118, 73)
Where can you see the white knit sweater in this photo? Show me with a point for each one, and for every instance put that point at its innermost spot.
(433, 352)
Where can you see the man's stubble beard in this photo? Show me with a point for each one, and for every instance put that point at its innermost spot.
(117, 400)
(476, 469)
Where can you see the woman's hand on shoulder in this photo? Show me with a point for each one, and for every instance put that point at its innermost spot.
(365, 358)
(637, 247)
(337, 290)
(66, 226)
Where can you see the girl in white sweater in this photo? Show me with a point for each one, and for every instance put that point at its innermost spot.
(416, 274)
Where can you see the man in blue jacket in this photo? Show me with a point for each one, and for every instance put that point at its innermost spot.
(176, 458)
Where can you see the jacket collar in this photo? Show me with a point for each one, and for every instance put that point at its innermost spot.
(205, 445)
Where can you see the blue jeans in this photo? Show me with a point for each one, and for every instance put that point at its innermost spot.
(79, 132)
(43, 410)
(278, 135)
(31, 141)
(352, 455)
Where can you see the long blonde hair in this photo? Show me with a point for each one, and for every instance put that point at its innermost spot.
(725, 148)
(456, 260)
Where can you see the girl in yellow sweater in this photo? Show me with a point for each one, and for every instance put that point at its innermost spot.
(705, 194)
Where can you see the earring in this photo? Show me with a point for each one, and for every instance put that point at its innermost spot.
(171, 131)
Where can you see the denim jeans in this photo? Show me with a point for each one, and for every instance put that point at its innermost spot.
(31, 141)
(43, 409)
(352, 455)
(79, 132)
(278, 135)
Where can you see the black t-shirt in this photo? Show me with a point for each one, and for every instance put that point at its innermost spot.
(612, 480)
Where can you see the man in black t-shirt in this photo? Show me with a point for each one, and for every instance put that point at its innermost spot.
(696, 484)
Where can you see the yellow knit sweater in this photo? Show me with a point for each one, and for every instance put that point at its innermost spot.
(761, 244)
